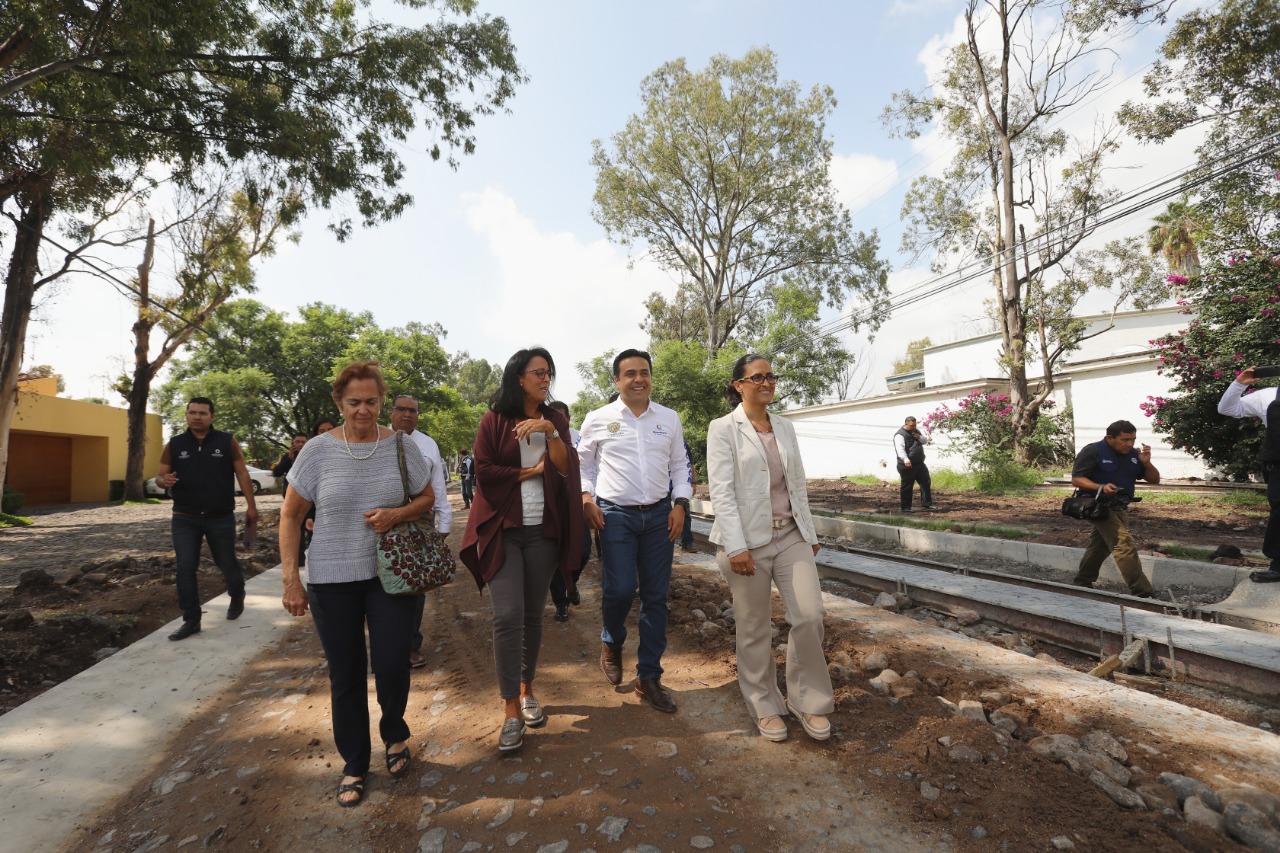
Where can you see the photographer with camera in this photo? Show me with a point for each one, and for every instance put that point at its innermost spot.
(1113, 465)
(1264, 404)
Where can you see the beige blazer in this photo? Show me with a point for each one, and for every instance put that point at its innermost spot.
(738, 476)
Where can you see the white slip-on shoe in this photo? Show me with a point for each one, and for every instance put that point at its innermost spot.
(816, 726)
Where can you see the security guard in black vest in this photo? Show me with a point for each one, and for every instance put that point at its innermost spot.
(908, 447)
(200, 468)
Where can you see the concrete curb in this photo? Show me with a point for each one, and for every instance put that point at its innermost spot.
(76, 748)
(1162, 571)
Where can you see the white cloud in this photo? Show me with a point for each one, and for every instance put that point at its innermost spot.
(860, 179)
(577, 299)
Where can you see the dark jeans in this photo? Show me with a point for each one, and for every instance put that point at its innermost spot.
(917, 473)
(468, 491)
(220, 532)
(1271, 539)
(636, 554)
(686, 535)
(341, 612)
(560, 592)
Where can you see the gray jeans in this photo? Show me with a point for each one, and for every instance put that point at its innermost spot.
(519, 595)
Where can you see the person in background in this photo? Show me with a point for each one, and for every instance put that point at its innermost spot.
(686, 533)
(561, 595)
(281, 469)
(1263, 404)
(467, 476)
(404, 417)
(351, 477)
(321, 427)
(524, 526)
(636, 487)
(765, 537)
(200, 467)
(1114, 466)
(908, 446)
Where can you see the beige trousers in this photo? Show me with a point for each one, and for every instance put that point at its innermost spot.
(786, 562)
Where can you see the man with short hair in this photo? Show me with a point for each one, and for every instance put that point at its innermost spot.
(1113, 465)
(200, 467)
(632, 453)
(467, 476)
(908, 446)
(281, 469)
(1263, 404)
(404, 417)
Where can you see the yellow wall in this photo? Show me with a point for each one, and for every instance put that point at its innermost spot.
(98, 444)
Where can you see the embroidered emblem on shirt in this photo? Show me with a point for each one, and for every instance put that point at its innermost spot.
(660, 430)
(183, 455)
(613, 427)
(217, 451)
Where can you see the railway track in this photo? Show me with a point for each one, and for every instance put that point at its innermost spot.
(1180, 641)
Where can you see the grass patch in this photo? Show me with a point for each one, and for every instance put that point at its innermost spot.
(142, 502)
(1188, 552)
(7, 520)
(864, 480)
(1170, 498)
(954, 481)
(939, 524)
(1243, 497)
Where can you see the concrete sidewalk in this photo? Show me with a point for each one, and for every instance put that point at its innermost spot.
(73, 750)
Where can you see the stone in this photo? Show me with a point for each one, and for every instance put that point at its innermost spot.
(698, 615)
(1004, 722)
(841, 657)
(430, 779)
(1185, 786)
(104, 653)
(883, 682)
(1158, 797)
(555, 847)
(702, 842)
(904, 600)
(166, 783)
(665, 749)
(885, 601)
(947, 705)
(967, 754)
(686, 775)
(1045, 657)
(613, 827)
(1085, 763)
(1061, 842)
(840, 674)
(433, 840)
(18, 620)
(945, 740)
(973, 710)
(1120, 795)
(506, 808)
(1056, 747)
(710, 630)
(993, 697)
(1198, 814)
(1103, 743)
(876, 660)
(929, 792)
(966, 617)
(1264, 801)
(1250, 827)
(978, 832)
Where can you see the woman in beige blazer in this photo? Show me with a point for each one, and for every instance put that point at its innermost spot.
(765, 538)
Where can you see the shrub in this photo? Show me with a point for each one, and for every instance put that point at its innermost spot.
(12, 501)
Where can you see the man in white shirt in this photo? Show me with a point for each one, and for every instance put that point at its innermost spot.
(636, 485)
(1263, 404)
(404, 417)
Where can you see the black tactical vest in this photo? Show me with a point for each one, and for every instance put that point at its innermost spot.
(206, 474)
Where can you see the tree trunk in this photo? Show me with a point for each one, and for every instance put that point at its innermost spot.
(140, 390)
(19, 293)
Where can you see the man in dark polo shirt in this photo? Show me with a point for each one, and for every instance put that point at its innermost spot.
(200, 468)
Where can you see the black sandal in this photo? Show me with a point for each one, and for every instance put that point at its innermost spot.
(403, 757)
(356, 787)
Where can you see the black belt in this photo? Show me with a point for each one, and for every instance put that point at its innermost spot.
(602, 501)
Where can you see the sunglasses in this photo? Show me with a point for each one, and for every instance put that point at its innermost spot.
(760, 378)
(540, 372)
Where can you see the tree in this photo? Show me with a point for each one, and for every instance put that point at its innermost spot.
(1219, 71)
(93, 92)
(1019, 195)
(914, 357)
(217, 241)
(1172, 236)
(474, 378)
(1236, 306)
(722, 178)
(45, 371)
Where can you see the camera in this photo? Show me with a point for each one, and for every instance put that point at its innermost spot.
(1267, 371)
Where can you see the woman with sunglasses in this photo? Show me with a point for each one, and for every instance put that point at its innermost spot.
(764, 536)
(525, 524)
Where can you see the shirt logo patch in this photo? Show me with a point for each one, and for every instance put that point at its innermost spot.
(217, 451)
(614, 427)
(184, 455)
(660, 430)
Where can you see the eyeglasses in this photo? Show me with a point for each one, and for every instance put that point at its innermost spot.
(760, 378)
(540, 372)
(404, 409)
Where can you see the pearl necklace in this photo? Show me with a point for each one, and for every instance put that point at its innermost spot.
(348, 444)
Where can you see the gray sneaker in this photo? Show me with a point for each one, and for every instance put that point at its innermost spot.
(512, 737)
(532, 712)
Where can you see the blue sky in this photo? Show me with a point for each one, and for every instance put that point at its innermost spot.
(504, 253)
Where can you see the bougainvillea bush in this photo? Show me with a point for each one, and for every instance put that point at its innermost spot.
(980, 428)
(1235, 323)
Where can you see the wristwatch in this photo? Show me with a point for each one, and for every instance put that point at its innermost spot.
(682, 502)
(555, 433)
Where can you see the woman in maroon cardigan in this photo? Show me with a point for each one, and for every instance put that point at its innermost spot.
(525, 524)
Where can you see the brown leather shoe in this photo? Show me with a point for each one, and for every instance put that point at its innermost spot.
(651, 690)
(611, 664)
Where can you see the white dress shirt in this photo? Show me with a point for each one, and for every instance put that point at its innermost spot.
(1235, 405)
(900, 446)
(431, 452)
(630, 460)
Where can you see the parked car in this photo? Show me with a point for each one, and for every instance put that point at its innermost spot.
(262, 481)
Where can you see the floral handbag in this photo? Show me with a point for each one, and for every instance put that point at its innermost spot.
(413, 556)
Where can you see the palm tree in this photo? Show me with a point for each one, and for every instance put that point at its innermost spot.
(1174, 236)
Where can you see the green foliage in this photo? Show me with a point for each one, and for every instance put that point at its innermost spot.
(12, 501)
(865, 480)
(1169, 498)
(8, 520)
(943, 525)
(1244, 498)
(1235, 325)
(1002, 476)
(722, 177)
(475, 379)
(948, 480)
(980, 428)
(1220, 67)
(913, 359)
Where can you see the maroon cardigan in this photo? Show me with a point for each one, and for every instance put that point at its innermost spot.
(497, 506)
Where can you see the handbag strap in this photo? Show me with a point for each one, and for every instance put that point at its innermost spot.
(404, 469)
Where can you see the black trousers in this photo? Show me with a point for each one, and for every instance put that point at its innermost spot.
(560, 592)
(1271, 539)
(917, 473)
(341, 612)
